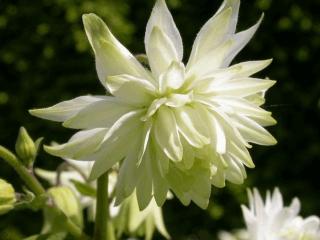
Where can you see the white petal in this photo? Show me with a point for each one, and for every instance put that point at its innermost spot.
(145, 139)
(215, 130)
(179, 100)
(168, 136)
(65, 110)
(191, 126)
(161, 17)
(235, 5)
(188, 154)
(108, 155)
(122, 126)
(241, 39)
(161, 52)
(212, 34)
(99, 114)
(158, 220)
(234, 172)
(240, 87)
(80, 145)
(128, 173)
(159, 183)
(240, 153)
(253, 132)
(115, 145)
(244, 107)
(173, 78)
(162, 160)
(130, 89)
(112, 58)
(50, 176)
(240, 70)
(210, 62)
(144, 185)
(154, 106)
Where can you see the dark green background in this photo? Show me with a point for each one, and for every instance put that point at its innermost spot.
(45, 58)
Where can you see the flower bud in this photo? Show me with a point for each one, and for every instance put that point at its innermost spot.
(25, 148)
(67, 204)
(7, 197)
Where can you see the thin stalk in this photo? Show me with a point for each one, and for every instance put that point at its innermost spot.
(103, 228)
(75, 231)
(33, 184)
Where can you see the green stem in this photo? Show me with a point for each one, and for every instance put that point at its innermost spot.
(75, 231)
(23, 172)
(103, 227)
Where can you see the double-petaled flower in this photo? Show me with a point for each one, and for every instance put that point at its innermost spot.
(174, 126)
(270, 219)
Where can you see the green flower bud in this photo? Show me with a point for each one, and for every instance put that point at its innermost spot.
(26, 148)
(7, 197)
(66, 206)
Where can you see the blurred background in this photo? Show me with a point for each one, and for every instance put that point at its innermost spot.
(45, 58)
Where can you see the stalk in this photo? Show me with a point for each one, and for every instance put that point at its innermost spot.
(33, 184)
(103, 227)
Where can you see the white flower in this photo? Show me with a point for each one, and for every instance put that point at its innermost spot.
(142, 223)
(241, 234)
(270, 220)
(180, 127)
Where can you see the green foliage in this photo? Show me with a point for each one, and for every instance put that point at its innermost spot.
(45, 58)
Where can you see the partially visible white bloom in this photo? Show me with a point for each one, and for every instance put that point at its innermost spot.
(270, 220)
(140, 223)
(241, 234)
(302, 229)
(79, 171)
(127, 216)
(179, 126)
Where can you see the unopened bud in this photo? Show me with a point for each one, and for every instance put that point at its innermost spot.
(25, 148)
(67, 203)
(7, 197)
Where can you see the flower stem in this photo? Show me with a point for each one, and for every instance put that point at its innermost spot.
(25, 174)
(103, 227)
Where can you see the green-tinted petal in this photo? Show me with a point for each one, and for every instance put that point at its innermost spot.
(211, 61)
(161, 52)
(65, 110)
(173, 78)
(144, 185)
(213, 33)
(168, 136)
(101, 114)
(161, 17)
(115, 143)
(241, 87)
(112, 58)
(241, 39)
(191, 126)
(253, 132)
(80, 145)
(158, 221)
(130, 89)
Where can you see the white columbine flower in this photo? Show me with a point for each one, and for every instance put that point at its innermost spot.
(177, 126)
(270, 220)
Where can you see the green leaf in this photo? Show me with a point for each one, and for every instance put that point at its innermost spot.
(55, 236)
(84, 189)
